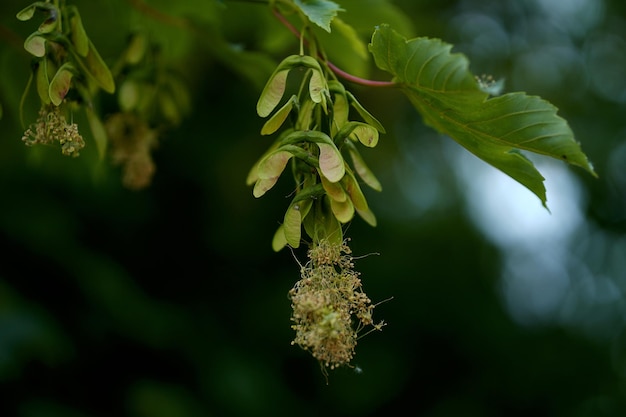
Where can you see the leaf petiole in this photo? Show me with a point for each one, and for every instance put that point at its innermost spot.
(338, 71)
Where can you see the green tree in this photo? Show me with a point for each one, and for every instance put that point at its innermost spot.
(148, 247)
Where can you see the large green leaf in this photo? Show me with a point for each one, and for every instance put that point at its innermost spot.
(440, 86)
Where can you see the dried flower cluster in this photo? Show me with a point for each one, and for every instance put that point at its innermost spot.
(52, 127)
(329, 305)
(132, 141)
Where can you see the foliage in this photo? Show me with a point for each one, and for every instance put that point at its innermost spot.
(320, 133)
(65, 59)
(327, 193)
(328, 125)
(454, 102)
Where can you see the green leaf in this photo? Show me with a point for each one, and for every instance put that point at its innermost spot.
(292, 223)
(447, 95)
(60, 84)
(169, 108)
(367, 116)
(362, 169)
(323, 225)
(136, 49)
(78, 34)
(340, 106)
(28, 12)
(368, 216)
(261, 186)
(317, 85)
(366, 134)
(274, 164)
(275, 87)
(320, 12)
(334, 190)
(279, 241)
(272, 93)
(354, 191)
(269, 170)
(42, 82)
(253, 174)
(35, 44)
(343, 211)
(358, 199)
(99, 70)
(331, 162)
(276, 121)
(48, 25)
(332, 230)
(98, 131)
(128, 95)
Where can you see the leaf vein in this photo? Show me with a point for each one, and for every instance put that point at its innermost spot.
(547, 124)
(426, 62)
(513, 114)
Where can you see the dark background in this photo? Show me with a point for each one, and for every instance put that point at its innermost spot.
(169, 302)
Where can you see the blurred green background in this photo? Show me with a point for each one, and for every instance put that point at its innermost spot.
(169, 302)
